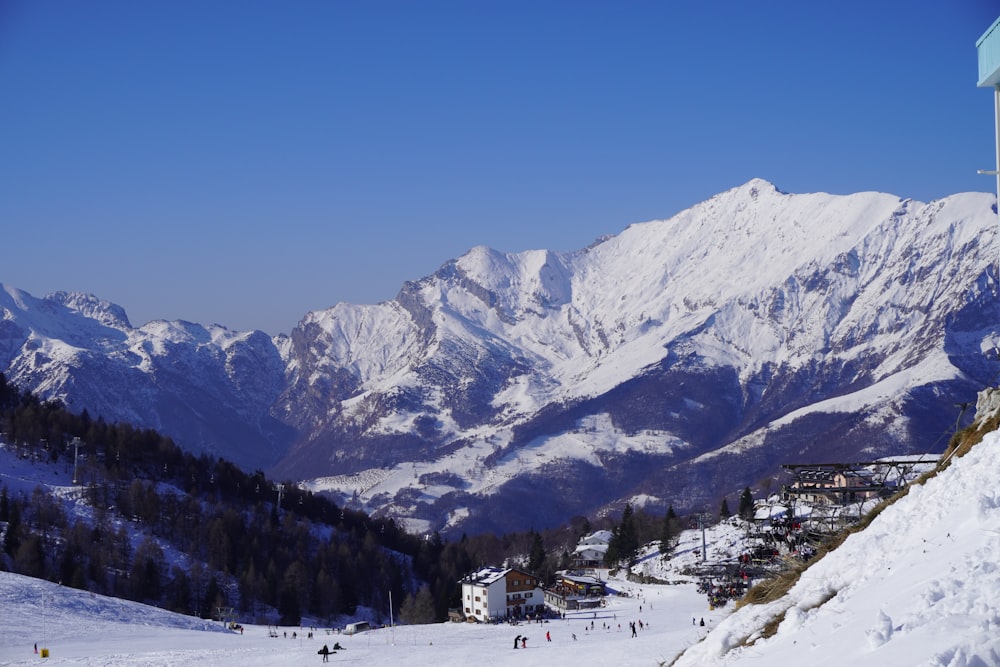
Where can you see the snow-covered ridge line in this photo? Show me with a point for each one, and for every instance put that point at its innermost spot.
(746, 328)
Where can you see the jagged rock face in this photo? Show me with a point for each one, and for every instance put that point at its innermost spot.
(677, 361)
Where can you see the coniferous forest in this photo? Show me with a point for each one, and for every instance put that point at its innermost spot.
(195, 534)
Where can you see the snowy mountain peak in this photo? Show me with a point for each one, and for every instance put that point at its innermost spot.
(757, 187)
(88, 305)
(750, 328)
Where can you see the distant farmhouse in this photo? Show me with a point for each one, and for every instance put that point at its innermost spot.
(591, 549)
(495, 594)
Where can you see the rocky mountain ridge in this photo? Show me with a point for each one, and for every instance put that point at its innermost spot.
(677, 361)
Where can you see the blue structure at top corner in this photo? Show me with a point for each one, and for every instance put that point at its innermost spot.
(988, 48)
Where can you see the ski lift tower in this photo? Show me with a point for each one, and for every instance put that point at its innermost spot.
(77, 443)
(988, 50)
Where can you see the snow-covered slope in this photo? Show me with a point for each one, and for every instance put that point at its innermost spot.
(919, 586)
(678, 360)
(687, 356)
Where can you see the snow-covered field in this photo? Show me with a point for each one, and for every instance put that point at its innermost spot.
(919, 586)
(83, 629)
(80, 628)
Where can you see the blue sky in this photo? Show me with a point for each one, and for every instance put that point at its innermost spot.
(243, 163)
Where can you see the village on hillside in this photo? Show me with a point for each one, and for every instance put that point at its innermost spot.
(818, 501)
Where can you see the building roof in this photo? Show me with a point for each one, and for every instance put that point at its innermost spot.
(599, 548)
(597, 537)
(486, 576)
(580, 579)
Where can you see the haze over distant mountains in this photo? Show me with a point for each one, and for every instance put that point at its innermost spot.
(677, 361)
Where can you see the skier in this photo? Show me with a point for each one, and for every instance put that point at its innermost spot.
(516, 640)
(325, 652)
(524, 642)
(548, 636)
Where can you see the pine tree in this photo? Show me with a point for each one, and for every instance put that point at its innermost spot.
(147, 570)
(536, 559)
(613, 555)
(724, 512)
(418, 608)
(12, 538)
(667, 533)
(180, 591)
(29, 559)
(211, 598)
(746, 504)
(624, 545)
(288, 606)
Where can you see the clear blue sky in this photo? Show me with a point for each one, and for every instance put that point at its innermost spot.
(246, 162)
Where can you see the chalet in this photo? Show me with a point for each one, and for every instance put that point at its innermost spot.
(493, 594)
(590, 550)
(574, 591)
(598, 537)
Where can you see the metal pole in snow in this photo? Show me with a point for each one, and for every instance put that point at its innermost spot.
(996, 116)
(77, 443)
(392, 626)
(704, 548)
(996, 171)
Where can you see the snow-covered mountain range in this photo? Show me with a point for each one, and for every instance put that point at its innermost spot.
(675, 362)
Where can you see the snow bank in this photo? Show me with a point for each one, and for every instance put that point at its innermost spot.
(919, 586)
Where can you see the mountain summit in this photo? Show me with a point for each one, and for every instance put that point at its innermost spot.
(675, 362)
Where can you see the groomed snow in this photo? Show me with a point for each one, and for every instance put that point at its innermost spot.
(83, 629)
